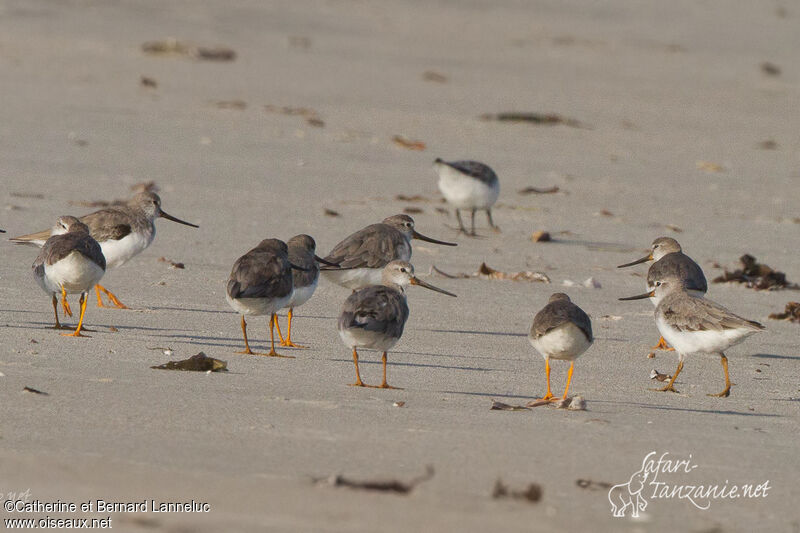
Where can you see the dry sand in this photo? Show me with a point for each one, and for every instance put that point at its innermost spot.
(658, 88)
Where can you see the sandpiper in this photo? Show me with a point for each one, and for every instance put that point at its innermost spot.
(694, 324)
(301, 253)
(670, 261)
(468, 185)
(70, 262)
(362, 256)
(261, 284)
(561, 330)
(122, 231)
(373, 317)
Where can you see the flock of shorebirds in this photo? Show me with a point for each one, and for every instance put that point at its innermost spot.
(374, 263)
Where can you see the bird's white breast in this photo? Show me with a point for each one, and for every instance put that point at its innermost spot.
(465, 192)
(687, 342)
(75, 272)
(302, 294)
(565, 342)
(258, 306)
(371, 340)
(120, 251)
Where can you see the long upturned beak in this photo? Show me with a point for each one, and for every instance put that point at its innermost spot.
(420, 236)
(416, 281)
(648, 257)
(318, 259)
(162, 214)
(640, 296)
(298, 267)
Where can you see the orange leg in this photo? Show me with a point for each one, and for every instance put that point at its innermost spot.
(669, 387)
(55, 310)
(569, 378)
(246, 344)
(114, 300)
(662, 345)
(725, 393)
(358, 382)
(77, 332)
(273, 319)
(288, 340)
(549, 395)
(385, 385)
(64, 301)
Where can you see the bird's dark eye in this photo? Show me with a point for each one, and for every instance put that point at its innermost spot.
(658, 283)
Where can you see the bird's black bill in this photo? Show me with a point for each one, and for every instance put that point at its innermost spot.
(296, 267)
(417, 281)
(179, 221)
(420, 236)
(318, 259)
(644, 259)
(640, 296)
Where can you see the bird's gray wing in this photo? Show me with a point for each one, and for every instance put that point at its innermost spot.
(680, 265)
(58, 247)
(108, 224)
(375, 308)
(372, 247)
(259, 274)
(558, 313)
(698, 314)
(475, 170)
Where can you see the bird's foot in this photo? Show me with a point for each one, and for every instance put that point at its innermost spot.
(288, 343)
(75, 334)
(668, 388)
(662, 345)
(273, 353)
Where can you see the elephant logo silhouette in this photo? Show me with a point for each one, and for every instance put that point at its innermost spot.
(629, 494)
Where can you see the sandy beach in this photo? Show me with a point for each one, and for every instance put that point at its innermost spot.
(676, 119)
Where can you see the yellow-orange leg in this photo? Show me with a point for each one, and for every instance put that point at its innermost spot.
(669, 387)
(246, 350)
(64, 302)
(114, 300)
(662, 345)
(549, 395)
(77, 332)
(569, 378)
(288, 340)
(358, 382)
(385, 385)
(727, 391)
(273, 320)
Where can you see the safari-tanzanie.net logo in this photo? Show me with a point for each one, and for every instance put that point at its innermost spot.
(664, 477)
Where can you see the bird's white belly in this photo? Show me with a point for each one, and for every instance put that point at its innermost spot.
(371, 340)
(687, 342)
(302, 294)
(354, 278)
(257, 306)
(464, 192)
(76, 273)
(565, 342)
(120, 251)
